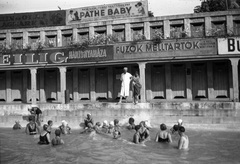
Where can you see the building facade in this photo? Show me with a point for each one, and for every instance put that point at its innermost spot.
(179, 58)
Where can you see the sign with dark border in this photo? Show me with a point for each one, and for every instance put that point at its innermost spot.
(31, 20)
(58, 56)
(229, 45)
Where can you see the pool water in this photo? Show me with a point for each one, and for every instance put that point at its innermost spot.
(205, 147)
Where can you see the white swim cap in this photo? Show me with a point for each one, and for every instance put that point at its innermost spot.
(105, 122)
(112, 123)
(64, 122)
(89, 114)
(180, 121)
(34, 105)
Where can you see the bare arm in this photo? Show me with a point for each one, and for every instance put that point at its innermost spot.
(180, 143)
(136, 139)
(169, 137)
(156, 138)
(26, 129)
(48, 137)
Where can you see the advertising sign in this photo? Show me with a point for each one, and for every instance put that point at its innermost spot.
(108, 11)
(174, 48)
(58, 56)
(233, 4)
(229, 45)
(30, 20)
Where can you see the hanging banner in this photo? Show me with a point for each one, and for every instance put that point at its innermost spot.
(108, 11)
(31, 20)
(229, 45)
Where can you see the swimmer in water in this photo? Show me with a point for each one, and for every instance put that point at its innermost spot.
(111, 127)
(143, 131)
(57, 140)
(163, 135)
(32, 128)
(176, 127)
(65, 129)
(105, 126)
(88, 121)
(50, 124)
(136, 136)
(44, 138)
(183, 142)
(116, 131)
(131, 123)
(17, 125)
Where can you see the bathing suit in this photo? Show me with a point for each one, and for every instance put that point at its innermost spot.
(87, 121)
(43, 139)
(135, 136)
(144, 134)
(32, 129)
(163, 140)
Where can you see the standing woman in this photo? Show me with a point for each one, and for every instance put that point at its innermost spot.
(136, 87)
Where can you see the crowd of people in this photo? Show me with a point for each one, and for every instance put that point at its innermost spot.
(113, 128)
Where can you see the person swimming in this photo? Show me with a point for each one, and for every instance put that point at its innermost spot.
(17, 125)
(163, 135)
(105, 126)
(50, 123)
(32, 128)
(143, 131)
(44, 138)
(136, 136)
(116, 131)
(65, 129)
(88, 121)
(57, 140)
(111, 127)
(183, 142)
(131, 123)
(176, 127)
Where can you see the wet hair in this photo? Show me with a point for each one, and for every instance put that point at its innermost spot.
(131, 120)
(175, 127)
(98, 123)
(181, 129)
(45, 126)
(116, 121)
(58, 132)
(163, 127)
(49, 122)
(137, 127)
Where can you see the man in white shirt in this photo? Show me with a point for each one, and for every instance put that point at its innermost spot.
(126, 79)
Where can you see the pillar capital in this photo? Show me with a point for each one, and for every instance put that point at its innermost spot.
(142, 65)
(234, 61)
(62, 69)
(33, 70)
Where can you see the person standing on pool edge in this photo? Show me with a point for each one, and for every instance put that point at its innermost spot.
(183, 142)
(126, 79)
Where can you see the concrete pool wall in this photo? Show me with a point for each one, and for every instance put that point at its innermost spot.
(224, 114)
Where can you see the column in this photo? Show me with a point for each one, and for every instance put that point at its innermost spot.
(147, 30)
(42, 36)
(110, 83)
(62, 84)
(41, 89)
(128, 32)
(75, 34)
(109, 29)
(24, 91)
(189, 81)
(33, 72)
(91, 32)
(75, 85)
(92, 85)
(142, 66)
(148, 83)
(230, 24)
(168, 81)
(187, 27)
(25, 37)
(210, 80)
(8, 38)
(208, 26)
(8, 86)
(59, 38)
(166, 29)
(234, 62)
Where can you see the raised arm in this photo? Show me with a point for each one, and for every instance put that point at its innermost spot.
(180, 143)
(169, 137)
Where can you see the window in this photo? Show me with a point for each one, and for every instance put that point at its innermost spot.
(17, 43)
(51, 41)
(83, 36)
(66, 39)
(176, 31)
(119, 34)
(137, 34)
(218, 29)
(236, 27)
(197, 30)
(2, 41)
(154, 30)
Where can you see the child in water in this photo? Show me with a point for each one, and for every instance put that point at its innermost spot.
(50, 123)
(105, 126)
(111, 127)
(88, 121)
(183, 142)
(131, 123)
(44, 137)
(65, 129)
(57, 140)
(136, 136)
(116, 131)
(176, 127)
(17, 125)
(143, 131)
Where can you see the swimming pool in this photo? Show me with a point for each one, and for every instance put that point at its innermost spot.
(205, 147)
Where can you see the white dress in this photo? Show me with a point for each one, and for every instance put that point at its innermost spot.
(125, 78)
